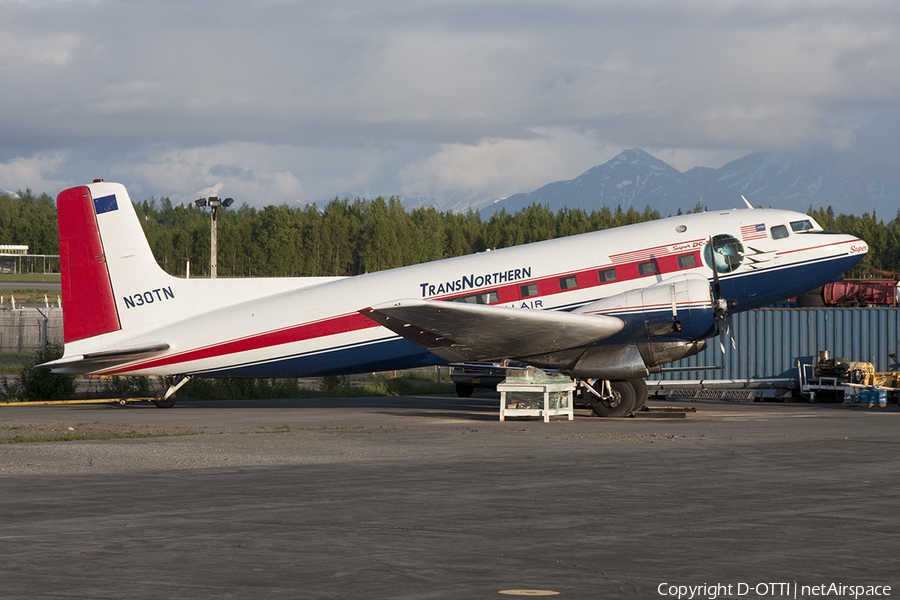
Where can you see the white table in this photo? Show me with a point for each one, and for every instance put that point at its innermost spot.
(557, 400)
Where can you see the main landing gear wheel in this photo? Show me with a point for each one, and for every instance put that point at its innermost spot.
(464, 391)
(619, 404)
(640, 393)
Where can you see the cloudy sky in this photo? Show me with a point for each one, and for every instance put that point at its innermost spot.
(287, 101)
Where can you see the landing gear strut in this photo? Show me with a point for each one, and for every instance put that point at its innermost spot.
(166, 398)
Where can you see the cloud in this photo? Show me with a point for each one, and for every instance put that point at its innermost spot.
(497, 166)
(21, 51)
(283, 100)
(249, 173)
(34, 172)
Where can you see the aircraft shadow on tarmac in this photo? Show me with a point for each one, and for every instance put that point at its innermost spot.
(412, 404)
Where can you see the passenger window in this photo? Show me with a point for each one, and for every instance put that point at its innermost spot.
(568, 283)
(482, 298)
(529, 289)
(607, 275)
(647, 268)
(687, 260)
(801, 225)
(779, 232)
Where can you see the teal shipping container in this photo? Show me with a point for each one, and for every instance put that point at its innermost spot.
(770, 341)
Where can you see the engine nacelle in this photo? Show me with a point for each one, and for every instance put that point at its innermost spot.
(678, 309)
(664, 322)
(627, 361)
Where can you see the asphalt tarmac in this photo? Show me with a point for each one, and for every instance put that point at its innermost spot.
(433, 497)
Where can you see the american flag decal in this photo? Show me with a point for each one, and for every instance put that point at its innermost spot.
(753, 232)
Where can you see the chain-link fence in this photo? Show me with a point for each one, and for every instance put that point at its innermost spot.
(30, 329)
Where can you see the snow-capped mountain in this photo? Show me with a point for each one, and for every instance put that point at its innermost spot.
(636, 179)
(633, 178)
(833, 179)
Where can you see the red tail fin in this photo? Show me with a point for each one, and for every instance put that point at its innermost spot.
(89, 307)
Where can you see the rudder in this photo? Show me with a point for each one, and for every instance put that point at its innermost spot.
(89, 307)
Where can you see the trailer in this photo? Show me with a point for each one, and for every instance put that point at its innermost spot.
(734, 390)
(840, 379)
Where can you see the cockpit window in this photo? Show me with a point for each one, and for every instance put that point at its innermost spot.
(804, 225)
(779, 232)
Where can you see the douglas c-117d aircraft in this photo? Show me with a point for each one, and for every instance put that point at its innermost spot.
(608, 307)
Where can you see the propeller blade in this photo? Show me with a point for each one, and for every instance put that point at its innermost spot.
(717, 286)
(712, 261)
(725, 323)
(722, 307)
(729, 330)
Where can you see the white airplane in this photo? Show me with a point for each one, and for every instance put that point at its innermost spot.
(608, 307)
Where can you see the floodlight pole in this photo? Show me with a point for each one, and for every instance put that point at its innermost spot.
(214, 203)
(213, 244)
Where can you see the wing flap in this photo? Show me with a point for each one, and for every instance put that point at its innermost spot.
(470, 332)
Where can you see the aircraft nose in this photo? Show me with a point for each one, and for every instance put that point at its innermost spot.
(854, 250)
(856, 246)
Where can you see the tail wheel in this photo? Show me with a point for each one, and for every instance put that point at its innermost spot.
(164, 403)
(619, 404)
(640, 393)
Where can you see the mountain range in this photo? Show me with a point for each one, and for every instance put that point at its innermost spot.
(637, 179)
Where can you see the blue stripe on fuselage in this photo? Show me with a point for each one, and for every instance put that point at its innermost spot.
(774, 284)
(389, 354)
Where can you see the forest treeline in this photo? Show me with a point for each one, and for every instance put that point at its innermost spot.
(350, 237)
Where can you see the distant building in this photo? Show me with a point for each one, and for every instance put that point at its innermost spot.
(10, 257)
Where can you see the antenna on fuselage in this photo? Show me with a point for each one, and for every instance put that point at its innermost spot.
(750, 206)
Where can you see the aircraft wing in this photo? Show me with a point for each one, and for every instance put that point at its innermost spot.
(460, 332)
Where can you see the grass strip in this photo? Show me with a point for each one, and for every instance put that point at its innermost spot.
(79, 436)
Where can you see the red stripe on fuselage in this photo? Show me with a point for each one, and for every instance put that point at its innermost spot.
(820, 246)
(549, 285)
(297, 333)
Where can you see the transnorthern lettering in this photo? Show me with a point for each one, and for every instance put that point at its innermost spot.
(472, 280)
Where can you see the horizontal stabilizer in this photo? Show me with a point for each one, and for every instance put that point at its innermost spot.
(86, 363)
(471, 332)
